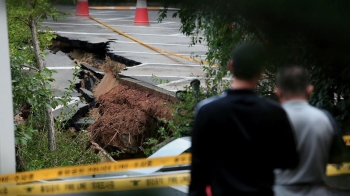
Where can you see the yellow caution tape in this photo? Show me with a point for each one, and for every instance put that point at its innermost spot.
(347, 139)
(120, 184)
(150, 47)
(335, 170)
(100, 168)
(95, 186)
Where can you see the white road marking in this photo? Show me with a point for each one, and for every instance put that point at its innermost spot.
(77, 24)
(148, 27)
(177, 34)
(152, 53)
(128, 26)
(132, 8)
(173, 82)
(161, 44)
(153, 21)
(151, 26)
(165, 35)
(85, 33)
(159, 76)
(82, 33)
(165, 23)
(93, 12)
(108, 19)
(60, 68)
(62, 26)
(100, 11)
(166, 64)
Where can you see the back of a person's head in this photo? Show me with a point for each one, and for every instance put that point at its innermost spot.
(248, 60)
(293, 80)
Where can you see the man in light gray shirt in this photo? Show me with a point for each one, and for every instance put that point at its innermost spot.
(319, 141)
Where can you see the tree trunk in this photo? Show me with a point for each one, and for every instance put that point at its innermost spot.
(41, 67)
(20, 165)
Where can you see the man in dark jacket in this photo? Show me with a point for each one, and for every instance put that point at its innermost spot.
(239, 138)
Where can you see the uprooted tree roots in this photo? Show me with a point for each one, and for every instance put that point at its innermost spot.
(128, 117)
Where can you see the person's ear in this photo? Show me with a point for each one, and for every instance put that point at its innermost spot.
(309, 90)
(278, 93)
(230, 66)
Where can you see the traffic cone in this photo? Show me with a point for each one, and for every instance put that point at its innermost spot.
(141, 13)
(82, 8)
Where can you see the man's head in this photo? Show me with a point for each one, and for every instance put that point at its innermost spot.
(247, 61)
(293, 83)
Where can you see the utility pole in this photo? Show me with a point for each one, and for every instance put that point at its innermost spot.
(7, 136)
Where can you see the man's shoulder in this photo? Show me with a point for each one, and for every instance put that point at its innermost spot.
(322, 115)
(315, 112)
(310, 113)
(210, 102)
(272, 104)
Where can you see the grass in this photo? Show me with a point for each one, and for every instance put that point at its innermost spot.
(71, 150)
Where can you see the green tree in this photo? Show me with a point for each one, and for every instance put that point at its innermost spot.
(27, 44)
(310, 33)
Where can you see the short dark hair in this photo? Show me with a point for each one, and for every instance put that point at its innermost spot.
(248, 60)
(293, 79)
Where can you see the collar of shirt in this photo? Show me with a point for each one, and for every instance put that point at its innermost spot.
(295, 103)
(241, 91)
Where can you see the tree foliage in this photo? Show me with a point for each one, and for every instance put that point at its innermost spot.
(32, 95)
(310, 33)
(31, 88)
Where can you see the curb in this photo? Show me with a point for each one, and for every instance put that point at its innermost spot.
(128, 8)
(144, 86)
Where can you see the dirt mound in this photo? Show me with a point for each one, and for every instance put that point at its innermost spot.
(128, 117)
(106, 64)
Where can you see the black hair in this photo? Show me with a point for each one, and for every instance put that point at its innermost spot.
(293, 79)
(248, 60)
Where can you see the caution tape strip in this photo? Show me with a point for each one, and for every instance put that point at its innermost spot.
(148, 46)
(336, 170)
(94, 169)
(102, 168)
(95, 186)
(119, 184)
(347, 139)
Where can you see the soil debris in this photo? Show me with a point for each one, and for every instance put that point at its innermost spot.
(128, 117)
(105, 65)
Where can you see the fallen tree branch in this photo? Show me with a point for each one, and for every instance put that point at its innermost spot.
(96, 146)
